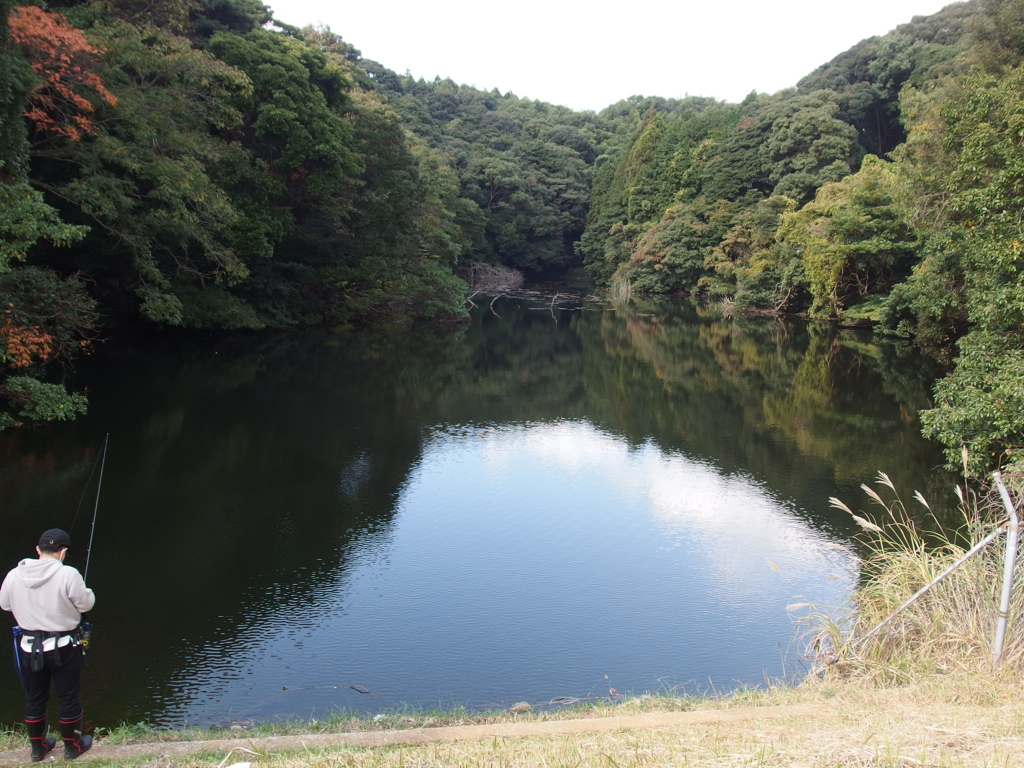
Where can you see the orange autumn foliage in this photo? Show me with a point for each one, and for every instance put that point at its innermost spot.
(62, 59)
(19, 344)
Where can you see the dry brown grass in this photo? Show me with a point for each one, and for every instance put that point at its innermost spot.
(955, 720)
(966, 722)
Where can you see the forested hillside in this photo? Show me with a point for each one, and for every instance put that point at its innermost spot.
(885, 188)
(199, 164)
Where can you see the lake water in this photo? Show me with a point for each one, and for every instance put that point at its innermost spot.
(554, 501)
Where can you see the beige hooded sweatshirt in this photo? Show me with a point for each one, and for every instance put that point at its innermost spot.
(45, 594)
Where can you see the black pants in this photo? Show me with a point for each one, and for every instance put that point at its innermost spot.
(65, 679)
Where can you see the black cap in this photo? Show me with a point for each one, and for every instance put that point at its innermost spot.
(55, 537)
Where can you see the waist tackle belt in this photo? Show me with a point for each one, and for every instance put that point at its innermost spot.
(36, 638)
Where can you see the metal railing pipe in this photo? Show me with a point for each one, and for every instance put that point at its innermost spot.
(1012, 537)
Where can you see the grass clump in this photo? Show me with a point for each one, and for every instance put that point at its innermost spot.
(11, 738)
(951, 626)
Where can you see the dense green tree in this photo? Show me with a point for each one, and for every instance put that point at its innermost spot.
(16, 82)
(292, 115)
(998, 35)
(670, 255)
(750, 265)
(240, 16)
(808, 145)
(601, 252)
(868, 78)
(25, 220)
(145, 181)
(681, 180)
(736, 166)
(852, 239)
(646, 224)
(44, 320)
(644, 200)
(523, 165)
(981, 404)
(929, 305)
(979, 407)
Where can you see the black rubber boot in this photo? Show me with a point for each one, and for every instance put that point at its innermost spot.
(74, 742)
(41, 743)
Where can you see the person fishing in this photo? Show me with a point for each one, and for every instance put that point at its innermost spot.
(48, 599)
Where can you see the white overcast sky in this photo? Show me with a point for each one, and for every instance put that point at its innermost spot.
(587, 55)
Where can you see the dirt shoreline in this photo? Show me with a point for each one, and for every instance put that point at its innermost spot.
(526, 727)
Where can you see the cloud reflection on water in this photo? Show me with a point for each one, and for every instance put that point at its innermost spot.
(741, 530)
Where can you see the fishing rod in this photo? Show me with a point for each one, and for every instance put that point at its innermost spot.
(96, 507)
(356, 688)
